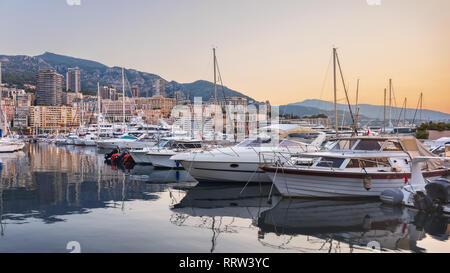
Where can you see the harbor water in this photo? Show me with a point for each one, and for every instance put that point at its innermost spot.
(66, 198)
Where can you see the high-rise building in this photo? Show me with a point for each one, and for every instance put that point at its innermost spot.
(159, 87)
(73, 80)
(49, 88)
(108, 93)
(135, 91)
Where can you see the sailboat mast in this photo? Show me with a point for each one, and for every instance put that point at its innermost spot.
(335, 96)
(421, 102)
(98, 109)
(356, 106)
(404, 114)
(123, 98)
(390, 102)
(2, 113)
(384, 113)
(215, 77)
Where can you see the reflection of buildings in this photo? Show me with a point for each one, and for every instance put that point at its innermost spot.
(53, 181)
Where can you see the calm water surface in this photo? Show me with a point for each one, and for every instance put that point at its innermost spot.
(53, 195)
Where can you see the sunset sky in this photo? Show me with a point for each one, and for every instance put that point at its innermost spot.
(267, 49)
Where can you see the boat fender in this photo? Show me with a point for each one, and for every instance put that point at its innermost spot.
(367, 223)
(392, 197)
(367, 181)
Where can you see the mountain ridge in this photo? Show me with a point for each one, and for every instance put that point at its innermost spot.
(376, 111)
(20, 69)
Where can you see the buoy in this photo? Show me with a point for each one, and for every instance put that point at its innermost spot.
(367, 181)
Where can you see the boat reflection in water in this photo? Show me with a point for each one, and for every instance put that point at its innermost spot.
(221, 208)
(150, 174)
(51, 195)
(341, 226)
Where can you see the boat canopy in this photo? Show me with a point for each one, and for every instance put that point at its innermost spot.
(414, 148)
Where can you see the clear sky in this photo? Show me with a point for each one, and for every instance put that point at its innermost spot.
(267, 49)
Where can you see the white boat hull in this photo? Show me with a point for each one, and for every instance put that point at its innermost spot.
(111, 144)
(163, 160)
(11, 147)
(233, 172)
(136, 145)
(140, 157)
(335, 185)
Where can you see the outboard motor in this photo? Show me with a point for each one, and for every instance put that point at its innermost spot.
(392, 197)
(422, 201)
(439, 190)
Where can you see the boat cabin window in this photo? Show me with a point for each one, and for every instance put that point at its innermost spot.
(403, 130)
(345, 144)
(368, 163)
(190, 145)
(392, 146)
(369, 145)
(330, 162)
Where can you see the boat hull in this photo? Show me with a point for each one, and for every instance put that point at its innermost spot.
(163, 160)
(140, 157)
(11, 148)
(110, 144)
(233, 172)
(329, 184)
(136, 145)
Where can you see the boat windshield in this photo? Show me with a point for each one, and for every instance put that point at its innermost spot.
(369, 145)
(128, 137)
(303, 137)
(289, 143)
(162, 143)
(254, 142)
(344, 144)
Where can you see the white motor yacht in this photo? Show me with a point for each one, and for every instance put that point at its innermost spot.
(160, 155)
(112, 143)
(88, 140)
(70, 140)
(240, 163)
